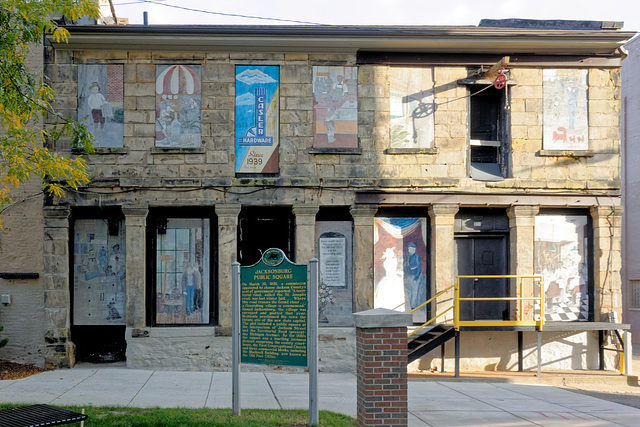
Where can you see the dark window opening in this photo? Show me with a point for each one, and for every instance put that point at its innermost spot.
(488, 132)
(262, 228)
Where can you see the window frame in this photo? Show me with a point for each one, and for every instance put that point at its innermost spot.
(589, 255)
(156, 215)
(502, 140)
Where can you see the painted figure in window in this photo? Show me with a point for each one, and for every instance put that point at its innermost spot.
(413, 273)
(116, 263)
(190, 282)
(100, 108)
(387, 288)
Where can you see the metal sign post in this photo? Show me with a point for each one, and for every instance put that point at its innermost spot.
(275, 319)
(312, 341)
(235, 335)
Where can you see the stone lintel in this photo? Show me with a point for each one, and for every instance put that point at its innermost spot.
(382, 318)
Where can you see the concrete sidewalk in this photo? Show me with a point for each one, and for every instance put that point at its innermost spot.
(431, 403)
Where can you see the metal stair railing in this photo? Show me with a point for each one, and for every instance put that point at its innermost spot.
(537, 321)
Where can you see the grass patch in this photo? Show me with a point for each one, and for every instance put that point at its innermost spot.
(143, 417)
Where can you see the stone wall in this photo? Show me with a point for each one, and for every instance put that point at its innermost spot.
(21, 246)
(140, 175)
(140, 165)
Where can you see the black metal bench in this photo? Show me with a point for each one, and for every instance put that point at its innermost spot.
(38, 416)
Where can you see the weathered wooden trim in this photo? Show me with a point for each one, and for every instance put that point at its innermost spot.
(453, 59)
(493, 200)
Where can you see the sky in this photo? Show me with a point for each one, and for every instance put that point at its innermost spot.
(373, 12)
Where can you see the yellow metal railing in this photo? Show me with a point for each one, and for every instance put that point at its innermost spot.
(537, 321)
(429, 301)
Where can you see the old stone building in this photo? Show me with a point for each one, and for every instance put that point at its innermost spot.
(401, 157)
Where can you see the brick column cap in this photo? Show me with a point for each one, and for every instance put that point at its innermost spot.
(382, 318)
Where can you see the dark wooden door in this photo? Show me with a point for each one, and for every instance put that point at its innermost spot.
(479, 256)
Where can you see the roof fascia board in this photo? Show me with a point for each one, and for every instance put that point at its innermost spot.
(518, 60)
(338, 39)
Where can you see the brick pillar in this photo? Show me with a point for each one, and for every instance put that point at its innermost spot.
(442, 254)
(607, 235)
(60, 351)
(135, 218)
(227, 253)
(381, 365)
(522, 221)
(305, 232)
(363, 255)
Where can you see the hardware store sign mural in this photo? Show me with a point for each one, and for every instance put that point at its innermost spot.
(257, 119)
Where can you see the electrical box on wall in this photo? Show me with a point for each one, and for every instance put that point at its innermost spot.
(5, 299)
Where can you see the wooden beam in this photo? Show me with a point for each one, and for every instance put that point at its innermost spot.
(519, 60)
(493, 71)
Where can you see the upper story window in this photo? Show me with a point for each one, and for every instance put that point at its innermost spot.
(566, 121)
(488, 132)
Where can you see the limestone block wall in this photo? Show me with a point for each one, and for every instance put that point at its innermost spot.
(142, 165)
(140, 175)
(202, 349)
(21, 246)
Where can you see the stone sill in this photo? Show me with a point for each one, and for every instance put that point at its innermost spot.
(412, 151)
(101, 151)
(173, 332)
(565, 153)
(335, 151)
(178, 150)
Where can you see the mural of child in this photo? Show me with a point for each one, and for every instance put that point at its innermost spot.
(100, 108)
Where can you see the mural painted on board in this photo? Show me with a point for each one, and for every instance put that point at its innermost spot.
(334, 243)
(400, 264)
(178, 106)
(99, 279)
(182, 272)
(335, 107)
(101, 102)
(257, 118)
(566, 125)
(560, 256)
(411, 107)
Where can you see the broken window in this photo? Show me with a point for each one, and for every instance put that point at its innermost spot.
(488, 132)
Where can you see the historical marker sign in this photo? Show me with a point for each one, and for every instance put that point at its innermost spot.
(273, 309)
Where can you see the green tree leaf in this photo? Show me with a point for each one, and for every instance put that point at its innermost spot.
(26, 100)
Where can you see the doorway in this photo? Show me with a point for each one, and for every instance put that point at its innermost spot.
(478, 255)
(262, 228)
(98, 281)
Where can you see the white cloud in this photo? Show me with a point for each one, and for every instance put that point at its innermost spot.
(246, 99)
(253, 77)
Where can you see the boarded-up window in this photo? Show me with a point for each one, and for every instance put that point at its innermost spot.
(561, 256)
(182, 289)
(566, 125)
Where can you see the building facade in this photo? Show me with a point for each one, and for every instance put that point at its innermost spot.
(631, 226)
(400, 157)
